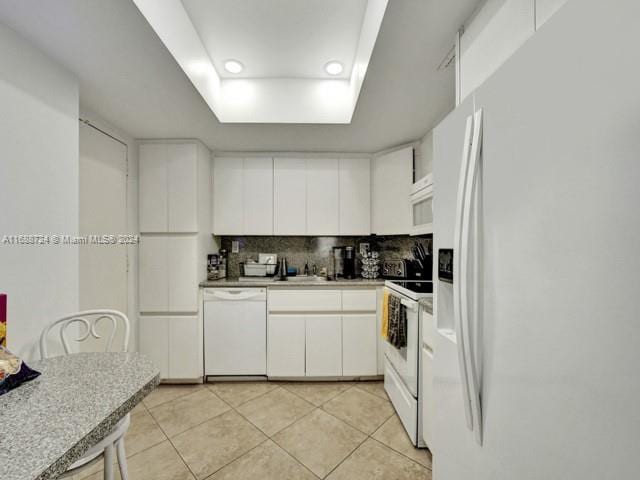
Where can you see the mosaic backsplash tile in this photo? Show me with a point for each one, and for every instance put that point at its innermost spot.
(316, 250)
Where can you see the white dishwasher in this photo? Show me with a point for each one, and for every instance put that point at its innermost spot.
(235, 331)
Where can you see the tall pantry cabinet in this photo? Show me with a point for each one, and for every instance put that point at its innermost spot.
(175, 238)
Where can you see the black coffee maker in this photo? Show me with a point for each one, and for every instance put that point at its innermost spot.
(349, 262)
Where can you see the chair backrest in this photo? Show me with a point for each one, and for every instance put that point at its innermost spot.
(87, 321)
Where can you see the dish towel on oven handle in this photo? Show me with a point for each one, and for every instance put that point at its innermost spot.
(397, 331)
(384, 331)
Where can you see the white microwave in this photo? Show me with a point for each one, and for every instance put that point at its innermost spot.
(422, 206)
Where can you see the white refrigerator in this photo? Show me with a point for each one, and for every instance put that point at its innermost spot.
(537, 191)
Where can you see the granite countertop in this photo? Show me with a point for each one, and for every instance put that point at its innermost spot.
(48, 423)
(270, 282)
(427, 304)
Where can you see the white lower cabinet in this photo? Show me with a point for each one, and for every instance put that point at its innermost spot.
(322, 332)
(154, 341)
(323, 345)
(174, 344)
(286, 346)
(359, 345)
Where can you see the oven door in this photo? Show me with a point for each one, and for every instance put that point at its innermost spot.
(405, 360)
(422, 211)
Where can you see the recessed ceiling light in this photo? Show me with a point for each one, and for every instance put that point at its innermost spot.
(233, 66)
(334, 68)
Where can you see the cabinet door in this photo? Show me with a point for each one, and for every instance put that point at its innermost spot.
(359, 345)
(154, 342)
(355, 196)
(152, 195)
(228, 203)
(392, 180)
(153, 274)
(289, 196)
(258, 196)
(285, 346)
(324, 346)
(323, 200)
(185, 348)
(182, 169)
(182, 260)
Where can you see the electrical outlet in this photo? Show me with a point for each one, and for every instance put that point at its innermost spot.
(235, 246)
(364, 249)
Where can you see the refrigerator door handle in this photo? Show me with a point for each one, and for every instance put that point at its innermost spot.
(458, 274)
(469, 281)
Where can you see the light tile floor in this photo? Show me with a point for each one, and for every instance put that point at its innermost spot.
(275, 430)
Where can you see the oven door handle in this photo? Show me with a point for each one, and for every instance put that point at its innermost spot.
(409, 305)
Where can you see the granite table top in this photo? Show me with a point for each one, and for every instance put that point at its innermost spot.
(48, 423)
(270, 282)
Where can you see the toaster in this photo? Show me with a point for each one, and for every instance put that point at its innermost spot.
(394, 269)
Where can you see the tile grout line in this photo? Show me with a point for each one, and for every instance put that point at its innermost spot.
(246, 401)
(266, 439)
(400, 453)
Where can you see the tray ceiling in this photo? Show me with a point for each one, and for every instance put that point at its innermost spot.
(283, 47)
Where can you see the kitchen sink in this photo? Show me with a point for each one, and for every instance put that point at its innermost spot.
(304, 278)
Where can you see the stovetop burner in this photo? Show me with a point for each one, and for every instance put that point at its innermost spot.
(416, 286)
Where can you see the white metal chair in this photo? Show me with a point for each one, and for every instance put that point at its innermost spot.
(88, 321)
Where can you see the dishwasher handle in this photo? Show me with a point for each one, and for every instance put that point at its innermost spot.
(235, 294)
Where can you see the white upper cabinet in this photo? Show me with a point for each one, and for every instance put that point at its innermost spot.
(258, 196)
(228, 197)
(153, 181)
(497, 30)
(323, 196)
(289, 196)
(355, 196)
(182, 170)
(243, 196)
(391, 186)
(168, 194)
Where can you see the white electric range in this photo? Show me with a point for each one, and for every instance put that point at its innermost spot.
(402, 366)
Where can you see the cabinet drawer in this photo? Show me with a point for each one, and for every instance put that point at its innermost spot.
(299, 300)
(359, 300)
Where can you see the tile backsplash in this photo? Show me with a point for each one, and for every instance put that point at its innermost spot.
(315, 250)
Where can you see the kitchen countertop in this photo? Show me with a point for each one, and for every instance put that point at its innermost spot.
(50, 422)
(268, 282)
(427, 304)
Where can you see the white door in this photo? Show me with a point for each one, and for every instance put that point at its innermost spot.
(258, 196)
(286, 346)
(392, 178)
(152, 184)
(323, 196)
(182, 260)
(289, 196)
(103, 211)
(153, 271)
(323, 346)
(182, 185)
(228, 197)
(359, 345)
(185, 345)
(355, 196)
(154, 342)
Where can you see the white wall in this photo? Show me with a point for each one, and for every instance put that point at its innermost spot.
(38, 189)
(132, 214)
